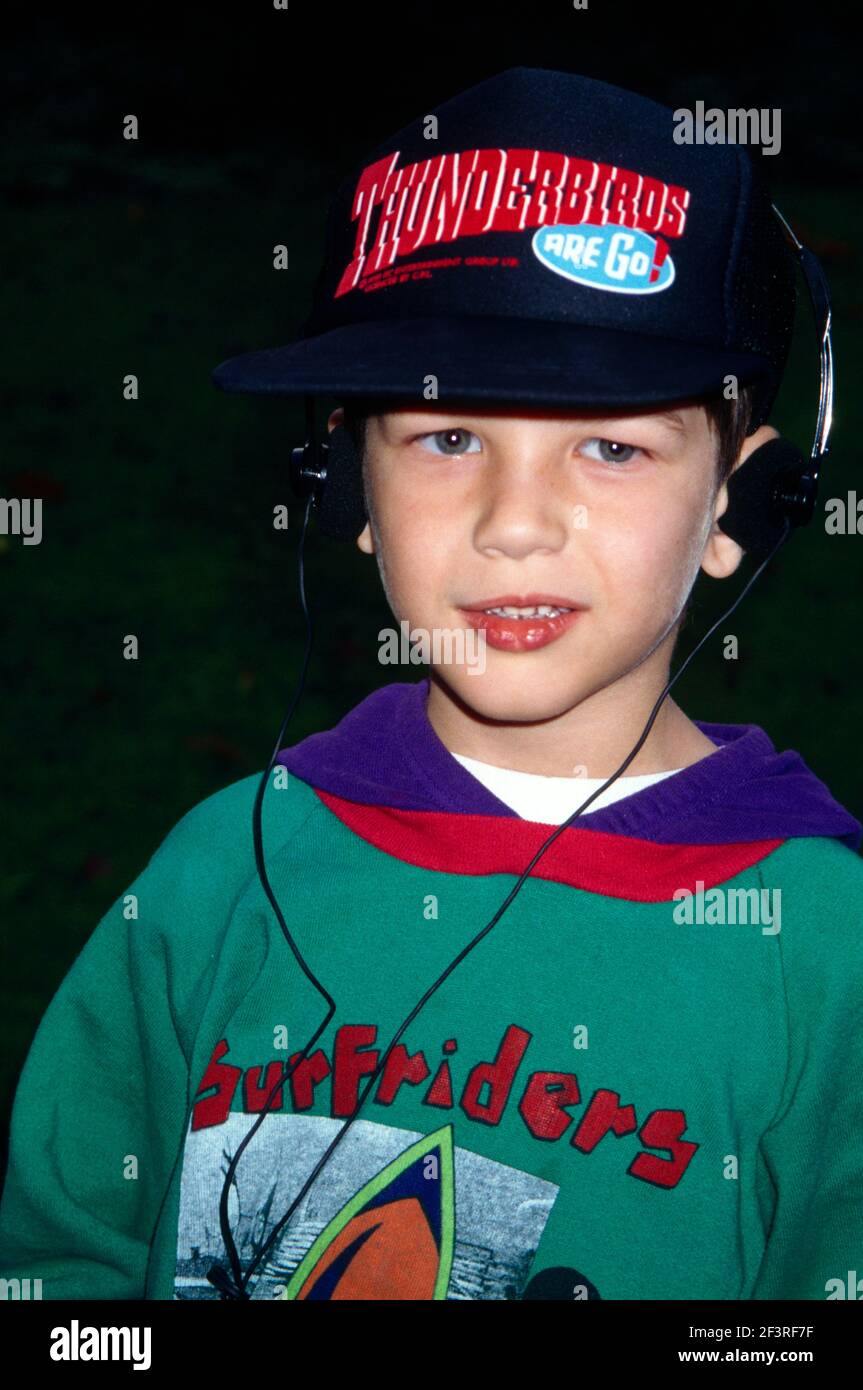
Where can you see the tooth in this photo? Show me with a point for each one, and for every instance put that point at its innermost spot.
(542, 610)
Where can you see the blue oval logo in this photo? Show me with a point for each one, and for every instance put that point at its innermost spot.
(621, 259)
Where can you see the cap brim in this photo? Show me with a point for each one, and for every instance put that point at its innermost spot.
(495, 360)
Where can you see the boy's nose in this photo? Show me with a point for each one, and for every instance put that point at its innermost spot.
(523, 509)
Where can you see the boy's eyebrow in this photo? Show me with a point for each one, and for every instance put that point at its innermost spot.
(670, 417)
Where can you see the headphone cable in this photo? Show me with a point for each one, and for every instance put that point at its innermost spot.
(236, 1287)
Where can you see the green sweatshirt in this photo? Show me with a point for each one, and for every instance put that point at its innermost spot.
(642, 1083)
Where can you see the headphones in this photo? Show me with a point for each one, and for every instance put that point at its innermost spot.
(775, 481)
(774, 491)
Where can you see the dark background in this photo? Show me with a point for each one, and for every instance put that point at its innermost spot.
(155, 257)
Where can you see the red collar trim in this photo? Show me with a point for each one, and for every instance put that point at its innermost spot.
(615, 866)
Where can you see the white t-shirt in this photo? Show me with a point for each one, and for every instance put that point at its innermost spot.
(552, 800)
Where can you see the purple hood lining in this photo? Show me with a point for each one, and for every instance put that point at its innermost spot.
(384, 752)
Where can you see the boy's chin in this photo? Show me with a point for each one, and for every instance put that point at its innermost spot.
(519, 696)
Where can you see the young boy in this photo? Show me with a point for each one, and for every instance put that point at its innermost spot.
(644, 1081)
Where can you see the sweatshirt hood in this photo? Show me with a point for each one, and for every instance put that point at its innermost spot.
(383, 770)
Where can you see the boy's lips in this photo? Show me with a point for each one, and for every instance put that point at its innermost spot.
(511, 634)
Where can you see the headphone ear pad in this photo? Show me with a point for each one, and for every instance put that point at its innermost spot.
(341, 512)
(753, 518)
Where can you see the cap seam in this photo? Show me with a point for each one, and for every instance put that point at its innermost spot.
(741, 213)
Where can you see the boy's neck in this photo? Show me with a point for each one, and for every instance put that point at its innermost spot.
(590, 740)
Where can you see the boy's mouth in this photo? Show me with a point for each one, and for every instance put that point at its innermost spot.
(517, 623)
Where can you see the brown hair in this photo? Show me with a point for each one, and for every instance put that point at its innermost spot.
(730, 422)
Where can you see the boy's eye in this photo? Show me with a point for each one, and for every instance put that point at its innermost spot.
(455, 442)
(452, 442)
(610, 451)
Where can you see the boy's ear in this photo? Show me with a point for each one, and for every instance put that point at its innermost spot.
(365, 541)
(722, 555)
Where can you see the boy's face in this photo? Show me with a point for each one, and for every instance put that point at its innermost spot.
(612, 516)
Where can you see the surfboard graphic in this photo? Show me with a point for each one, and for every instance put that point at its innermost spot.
(458, 1213)
(408, 1205)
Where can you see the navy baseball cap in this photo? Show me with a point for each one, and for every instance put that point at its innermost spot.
(542, 238)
